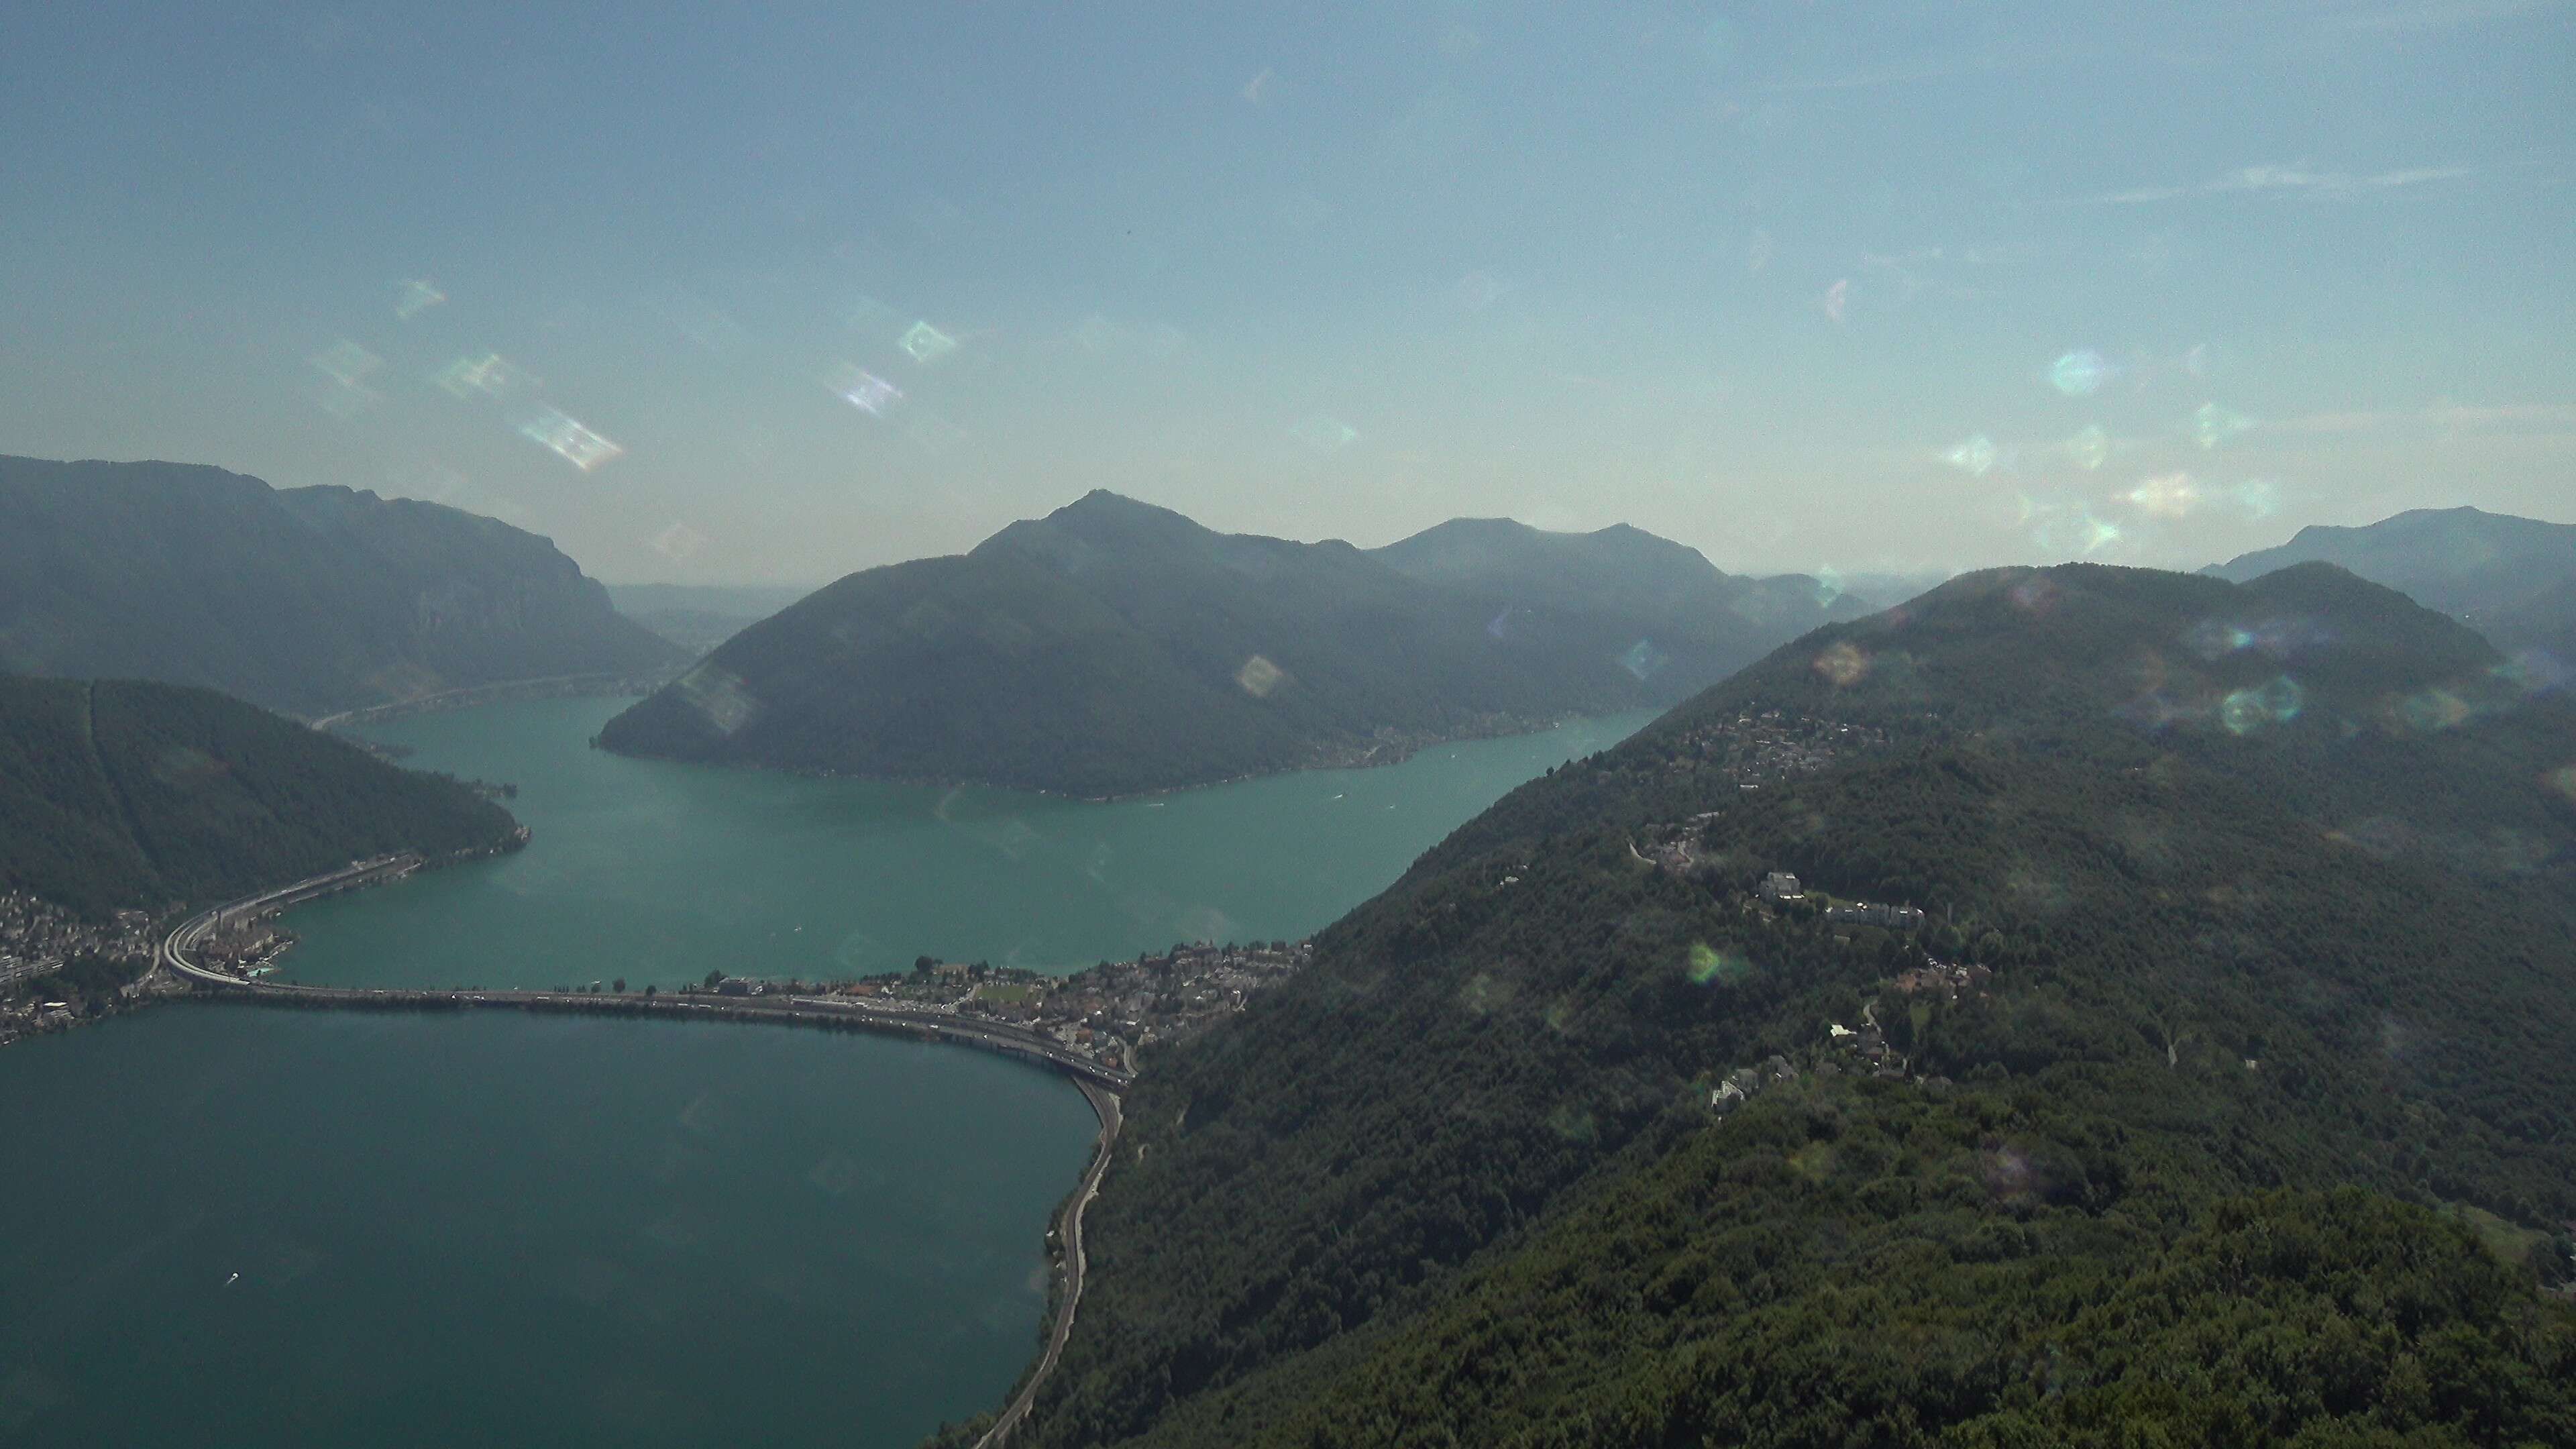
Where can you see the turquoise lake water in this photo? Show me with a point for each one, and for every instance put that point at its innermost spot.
(658, 872)
(499, 1228)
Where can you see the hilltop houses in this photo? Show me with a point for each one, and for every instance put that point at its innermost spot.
(1864, 913)
(1739, 1086)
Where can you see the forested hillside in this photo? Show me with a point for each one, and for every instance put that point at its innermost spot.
(2219, 1098)
(118, 795)
(1114, 647)
(310, 601)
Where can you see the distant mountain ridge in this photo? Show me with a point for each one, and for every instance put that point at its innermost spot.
(698, 617)
(1113, 647)
(309, 600)
(2513, 579)
(1616, 577)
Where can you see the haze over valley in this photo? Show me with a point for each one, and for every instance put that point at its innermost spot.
(1503, 724)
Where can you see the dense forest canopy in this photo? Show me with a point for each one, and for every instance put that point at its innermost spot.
(1113, 647)
(119, 795)
(2253, 1119)
(310, 600)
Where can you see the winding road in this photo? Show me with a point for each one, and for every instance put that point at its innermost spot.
(815, 1010)
(1069, 1235)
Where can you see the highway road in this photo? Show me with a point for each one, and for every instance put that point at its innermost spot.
(1099, 1084)
(1069, 1235)
(965, 1031)
(489, 692)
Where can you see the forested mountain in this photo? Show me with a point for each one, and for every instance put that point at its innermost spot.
(310, 600)
(2220, 1098)
(1114, 647)
(1595, 594)
(698, 617)
(118, 795)
(2513, 579)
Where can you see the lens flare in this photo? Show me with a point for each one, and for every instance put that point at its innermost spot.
(2090, 448)
(2249, 710)
(678, 541)
(1838, 300)
(2080, 373)
(569, 440)
(2213, 425)
(1974, 457)
(2431, 711)
(927, 344)
(1477, 291)
(2211, 639)
(1325, 434)
(2172, 495)
(415, 296)
(348, 366)
(2083, 534)
(1842, 666)
(719, 697)
(1643, 659)
(2533, 671)
(2562, 780)
(491, 375)
(346, 363)
(863, 390)
(1708, 964)
(1259, 677)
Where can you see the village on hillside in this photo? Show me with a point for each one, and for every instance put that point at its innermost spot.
(1759, 747)
(56, 969)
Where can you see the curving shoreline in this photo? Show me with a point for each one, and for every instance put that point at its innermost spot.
(804, 1010)
(1099, 1084)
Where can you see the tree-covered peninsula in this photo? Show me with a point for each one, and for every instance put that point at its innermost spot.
(117, 795)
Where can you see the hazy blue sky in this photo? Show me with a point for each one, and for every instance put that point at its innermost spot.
(1791, 282)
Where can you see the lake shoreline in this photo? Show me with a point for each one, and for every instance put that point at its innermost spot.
(1397, 753)
(655, 873)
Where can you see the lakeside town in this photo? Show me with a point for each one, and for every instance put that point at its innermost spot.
(1104, 1012)
(57, 970)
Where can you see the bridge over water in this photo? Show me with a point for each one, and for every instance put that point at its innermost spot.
(177, 948)
(1100, 1084)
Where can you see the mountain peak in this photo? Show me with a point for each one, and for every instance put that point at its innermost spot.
(1096, 528)
(1101, 502)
